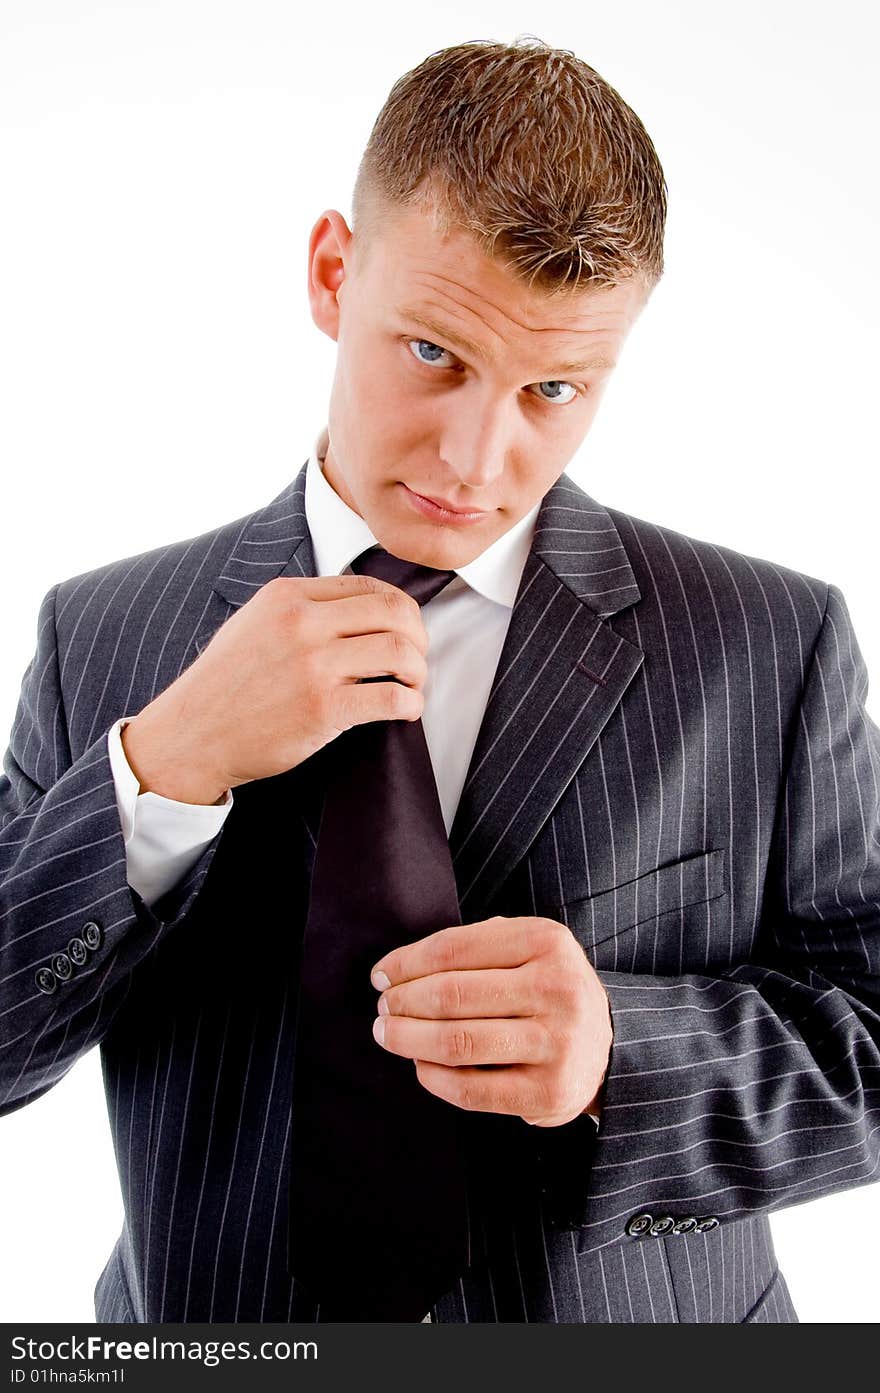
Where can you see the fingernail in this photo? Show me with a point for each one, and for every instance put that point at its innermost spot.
(383, 1006)
(379, 1030)
(379, 981)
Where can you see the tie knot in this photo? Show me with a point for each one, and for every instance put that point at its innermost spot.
(421, 582)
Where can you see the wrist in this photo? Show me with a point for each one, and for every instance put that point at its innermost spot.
(153, 752)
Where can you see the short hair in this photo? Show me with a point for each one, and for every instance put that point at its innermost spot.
(529, 150)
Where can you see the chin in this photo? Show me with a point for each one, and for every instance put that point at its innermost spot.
(441, 553)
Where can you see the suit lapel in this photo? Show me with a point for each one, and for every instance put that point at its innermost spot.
(561, 673)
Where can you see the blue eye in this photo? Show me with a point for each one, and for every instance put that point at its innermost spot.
(425, 343)
(563, 400)
(434, 353)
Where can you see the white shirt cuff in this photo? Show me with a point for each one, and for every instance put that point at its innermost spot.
(163, 837)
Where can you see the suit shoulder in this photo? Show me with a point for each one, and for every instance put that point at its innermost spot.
(178, 565)
(673, 562)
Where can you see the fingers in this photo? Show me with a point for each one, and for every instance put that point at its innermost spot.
(375, 655)
(523, 1040)
(367, 605)
(497, 942)
(518, 1090)
(355, 702)
(502, 991)
(376, 646)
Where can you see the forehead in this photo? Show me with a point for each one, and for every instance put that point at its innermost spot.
(444, 275)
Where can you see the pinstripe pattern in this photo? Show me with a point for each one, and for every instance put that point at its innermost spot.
(675, 761)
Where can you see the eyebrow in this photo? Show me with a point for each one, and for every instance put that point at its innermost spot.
(476, 351)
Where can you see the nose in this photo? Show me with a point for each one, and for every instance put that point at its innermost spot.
(476, 441)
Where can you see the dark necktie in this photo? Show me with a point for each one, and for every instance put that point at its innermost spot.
(378, 1209)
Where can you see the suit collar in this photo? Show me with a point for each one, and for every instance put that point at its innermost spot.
(574, 537)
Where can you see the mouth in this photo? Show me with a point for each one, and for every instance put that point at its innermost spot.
(439, 511)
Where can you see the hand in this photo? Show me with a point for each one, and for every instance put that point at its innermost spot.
(281, 678)
(516, 994)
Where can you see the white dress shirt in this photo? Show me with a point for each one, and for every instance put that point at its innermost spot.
(466, 626)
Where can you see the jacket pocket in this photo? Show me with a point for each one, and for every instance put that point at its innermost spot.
(666, 890)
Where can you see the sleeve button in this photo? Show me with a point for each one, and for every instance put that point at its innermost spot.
(62, 967)
(45, 979)
(639, 1225)
(685, 1225)
(662, 1226)
(91, 935)
(77, 951)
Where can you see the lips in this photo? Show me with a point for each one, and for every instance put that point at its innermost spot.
(442, 503)
(438, 512)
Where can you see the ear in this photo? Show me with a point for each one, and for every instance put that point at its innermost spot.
(328, 257)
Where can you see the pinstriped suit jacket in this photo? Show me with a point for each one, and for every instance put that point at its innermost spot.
(675, 761)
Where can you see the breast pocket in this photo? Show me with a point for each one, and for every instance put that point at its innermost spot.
(672, 919)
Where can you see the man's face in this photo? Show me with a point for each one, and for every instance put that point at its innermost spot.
(453, 381)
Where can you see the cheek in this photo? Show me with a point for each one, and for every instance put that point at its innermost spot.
(377, 396)
(531, 474)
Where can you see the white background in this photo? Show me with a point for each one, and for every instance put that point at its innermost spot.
(162, 165)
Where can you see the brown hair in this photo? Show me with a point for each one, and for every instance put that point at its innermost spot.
(529, 150)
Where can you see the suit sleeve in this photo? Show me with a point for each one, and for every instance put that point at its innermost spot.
(760, 1088)
(63, 890)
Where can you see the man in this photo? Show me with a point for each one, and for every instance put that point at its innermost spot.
(652, 758)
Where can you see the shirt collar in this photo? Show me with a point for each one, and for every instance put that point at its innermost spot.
(339, 534)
